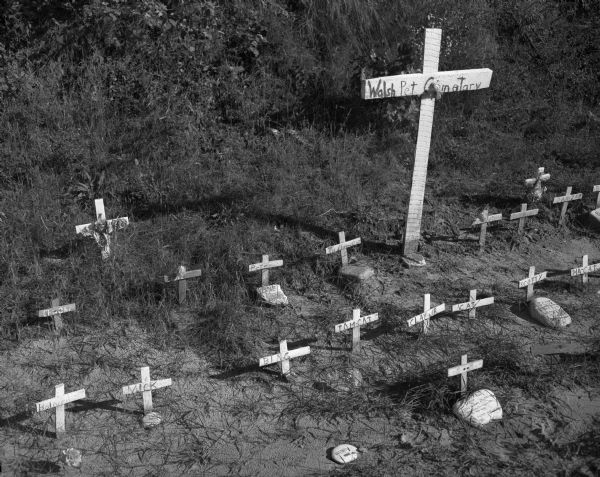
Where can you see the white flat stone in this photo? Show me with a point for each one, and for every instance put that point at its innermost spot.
(344, 453)
(356, 272)
(413, 260)
(272, 294)
(152, 419)
(547, 312)
(478, 408)
(594, 219)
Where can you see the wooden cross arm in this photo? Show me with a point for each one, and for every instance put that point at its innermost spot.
(363, 320)
(59, 401)
(587, 269)
(530, 280)
(150, 386)
(462, 368)
(57, 310)
(342, 246)
(263, 265)
(542, 178)
(275, 358)
(184, 276)
(112, 225)
(527, 213)
(427, 314)
(469, 305)
(490, 218)
(567, 198)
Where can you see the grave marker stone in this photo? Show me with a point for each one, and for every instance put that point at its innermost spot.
(427, 84)
(597, 189)
(564, 200)
(284, 357)
(428, 312)
(58, 401)
(182, 276)
(463, 369)
(536, 184)
(472, 304)
(56, 311)
(522, 215)
(354, 324)
(484, 220)
(529, 281)
(272, 294)
(102, 228)
(584, 270)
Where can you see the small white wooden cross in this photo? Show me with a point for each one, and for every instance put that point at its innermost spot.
(597, 189)
(529, 281)
(536, 183)
(354, 324)
(521, 216)
(56, 312)
(264, 266)
(102, 228)
(463, 369)
(564, 200)
(181, 277)
(428, 312)
(146, 387)
(342, 246)
(584, 269)
(58, 401)
(427, 84)
(483, 220)
(284, 356)
(472, 304)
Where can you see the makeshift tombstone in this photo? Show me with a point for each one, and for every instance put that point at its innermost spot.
(58, 403)
(484, 220)
(354, 324)
(564, 200)
(146, 387)
(350, 272)
(536, 185)
(102, 228)
(584, 270)
(271, 294)
(284, 356)
(472, 304)
(428, 312)
(56, 311)
(522, 215)
(182, 276)
(543, 309)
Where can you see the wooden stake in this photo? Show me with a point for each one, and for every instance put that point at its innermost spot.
(182, 276)
(529, 281)
(472, 304)
(146, 387)
(463, 369)
(483, 220)
(564, 200)
(342, 246)
(58, 401)
(522, 215)
(284, 356)
(102, 228)
(354, 324)
(428, 312)
(264, 266)
(56, 312)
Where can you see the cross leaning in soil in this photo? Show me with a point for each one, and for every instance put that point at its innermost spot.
(182, 276)
(56, 311)
(428, 312)
(58, 401)
(530, 280)
(584, 269)
(354, 324)
(472, 304)
(463, 369)
(522, 215)
(428, 84)
(564, 200)
(264, 267)
(484, 220)
(146, 387)
(342, 246)
(284, 356)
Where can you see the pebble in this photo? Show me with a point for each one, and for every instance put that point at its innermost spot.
(344, 453)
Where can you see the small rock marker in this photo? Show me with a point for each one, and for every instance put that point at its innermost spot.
(536, 184)
(284, 357)
(181, 277)
(344, 453)
(354, 324)
(529, 281)
(56, 312)
(428, 312)
(351, 272)
(484, 220)
(522, 215)
(58, 401)
(272, 294)
(584, 270)
(472, 304)
(146, 387)
(102, 228)
(564, 200)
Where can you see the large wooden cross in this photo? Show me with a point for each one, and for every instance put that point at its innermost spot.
(102, 228)
(58, 402)
(427, 84)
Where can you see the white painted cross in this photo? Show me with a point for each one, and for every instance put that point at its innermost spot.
(564, 200)
(181, 277)
(483, 220)
(529, 281)
(284, 356)
(536, 183)
(584, 269)
(597, 189)
(473, 303)
(342, 246)
(521, 216)
(102, 228)
(428, 312)
(264, 266)
(428, 84)
(58, 401)
(56, 312)
(463, 369)
(146, 387)
(354, 324)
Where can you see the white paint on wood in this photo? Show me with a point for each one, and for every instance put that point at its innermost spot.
(58, 401)
(565, 199)
(490, 218)
(284, 356)
(264, 265)
(472, 304)
(427, 313)
(342, 246)
(463, 369)
(584, 269)
(354, 324)
(146, 387)
(530, 280)
(522, 215)
(56, 310)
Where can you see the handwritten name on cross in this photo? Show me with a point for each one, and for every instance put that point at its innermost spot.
(354, 324)
(264, 266)
(484, 219)
(428, 312)
(564, 200)
(342, 246)
(536, 183)
(522, 215)
(463, 369)
(284, 357)
(102, 228)
(472, 304)
(422, 84)
(584, 269)
(181, 277)
(530, 280)
(146, 387)
(56, 312)
(58, 401)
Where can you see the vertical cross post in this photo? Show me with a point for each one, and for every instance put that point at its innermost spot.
(58, 402)
(427, 313)
(284, 356)
(264, 268)
(463, 369)
(483, 220)
(342, 246)
(472, 304)
(182, 276)
(146, 387)
(584, 269)
(522, 215)
(565, 199)
(355, 323)
(536, 184)
(530, 280)
(56, 312)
